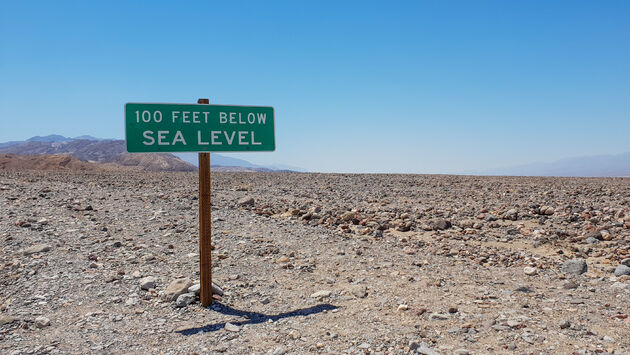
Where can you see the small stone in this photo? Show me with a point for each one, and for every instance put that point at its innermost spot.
(591, 240)
(7, 319)
(530, 271)
(278, 351)
(177, 288)
(147, 283)
(625, 262)
(321, 294)
(246, 201)
(41, 322)
(425, 349)
(232, 328)
(575, 266)
(565, 324)
(359, 291)
(196, 288)
(452, 310)
(570, 285)
(38, 248)
(440, 224)
(511, 214)
(438, 316)
(216, 290)
(609, 339)
(461, 352)
(402, 307)
(364, 346)
(185, 299)
(282, 259)
(622, 270)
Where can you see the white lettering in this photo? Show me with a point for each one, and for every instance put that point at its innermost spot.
(185, 117)
(254, 142)
(196, 117)
(162, 137)
(179, 138)
(214, 137)
(199, 141)
(262, 117)
(222, 117)
(233, 117)
(148, 135)
(205, 115)
(242, 137)
(251, 118)
(175, 113)
(240, 118)
(229, 139)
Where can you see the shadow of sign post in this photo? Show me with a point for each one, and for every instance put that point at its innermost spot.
(254, 317)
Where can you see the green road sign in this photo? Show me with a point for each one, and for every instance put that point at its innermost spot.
(198, 128)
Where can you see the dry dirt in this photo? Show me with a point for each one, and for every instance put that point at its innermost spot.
(320, 263)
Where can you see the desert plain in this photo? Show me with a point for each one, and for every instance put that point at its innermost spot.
(107, 262)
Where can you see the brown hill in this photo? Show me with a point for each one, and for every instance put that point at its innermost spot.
(49, 163)
(101, 151)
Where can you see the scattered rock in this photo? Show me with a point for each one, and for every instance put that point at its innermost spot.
(232, 328)
(38, 248)
(177, 288)
(622, 270)
(147, 283)
(41, 322)
(4, 319)
(321, 294)
(185, 299)
(529, 271)
(575, 266)
(246, 201)
(440, 224)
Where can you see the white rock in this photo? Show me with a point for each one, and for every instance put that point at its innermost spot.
(147, 283)
(41, 322)
(231, 327)
(529, 271)
(321, 294)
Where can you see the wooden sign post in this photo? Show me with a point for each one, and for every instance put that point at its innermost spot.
(203, 128)
(205, 225)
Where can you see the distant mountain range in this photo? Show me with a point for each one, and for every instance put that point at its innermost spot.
(112, 151)
(587, 166)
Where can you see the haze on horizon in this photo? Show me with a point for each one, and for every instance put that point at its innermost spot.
(406, 87)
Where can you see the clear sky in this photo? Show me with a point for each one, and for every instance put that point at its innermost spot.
(390, 86)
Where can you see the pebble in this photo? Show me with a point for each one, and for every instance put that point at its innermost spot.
(461, 352)
(41, 322)
(185, 299)
(147, 283)
(575, 266)
(529, 271)
(402, 307)
(321, 294)
(622, 270)
(231, 327)
(4, 319)
(438, 316)
(565, 324)
(176, 288)
(38, 248)
(246, 201)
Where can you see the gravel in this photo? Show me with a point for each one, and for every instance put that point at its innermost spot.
(368, 248)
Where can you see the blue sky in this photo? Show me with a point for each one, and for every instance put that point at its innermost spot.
(410, 87)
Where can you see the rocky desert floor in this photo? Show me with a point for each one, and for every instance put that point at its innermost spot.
(107, 262)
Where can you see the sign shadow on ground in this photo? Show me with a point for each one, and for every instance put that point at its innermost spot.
(254, 317)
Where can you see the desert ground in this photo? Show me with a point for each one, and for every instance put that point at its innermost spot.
(107, 262)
